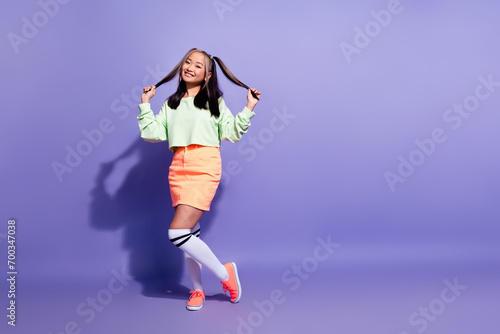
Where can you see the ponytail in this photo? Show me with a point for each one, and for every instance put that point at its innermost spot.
(176, 69)
(231, 76)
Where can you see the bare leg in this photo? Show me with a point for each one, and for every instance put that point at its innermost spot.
(185, 217)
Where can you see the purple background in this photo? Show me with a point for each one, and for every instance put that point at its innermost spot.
(317, 173)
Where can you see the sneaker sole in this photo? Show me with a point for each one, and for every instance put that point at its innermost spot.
(237, 283)
(193, 308)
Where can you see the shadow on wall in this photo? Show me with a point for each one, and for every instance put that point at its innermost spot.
(142, 206)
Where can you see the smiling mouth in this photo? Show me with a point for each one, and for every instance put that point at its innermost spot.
(188, 74)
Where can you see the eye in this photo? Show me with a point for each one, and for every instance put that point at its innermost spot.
(198, 66)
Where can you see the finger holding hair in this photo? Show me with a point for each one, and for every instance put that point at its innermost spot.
(253, 95)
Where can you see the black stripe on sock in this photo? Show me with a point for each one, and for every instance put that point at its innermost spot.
(197, 232)
(184, 241)
(182, 236)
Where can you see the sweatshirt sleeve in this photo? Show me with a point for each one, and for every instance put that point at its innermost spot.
(153, 128)
(232, 128)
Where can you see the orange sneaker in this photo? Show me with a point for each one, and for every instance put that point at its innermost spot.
(195, 300)
(233, 282)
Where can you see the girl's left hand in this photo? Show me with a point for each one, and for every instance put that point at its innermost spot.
(252, 101)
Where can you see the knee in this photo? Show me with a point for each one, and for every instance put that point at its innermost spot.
(196, 230)
(179, 236)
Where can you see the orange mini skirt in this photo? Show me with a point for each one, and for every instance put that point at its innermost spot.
(194, 175)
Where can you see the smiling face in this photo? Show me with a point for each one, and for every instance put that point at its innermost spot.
(193, 70)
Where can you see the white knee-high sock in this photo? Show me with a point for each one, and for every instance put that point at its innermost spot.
(194, 267)
(198, 250)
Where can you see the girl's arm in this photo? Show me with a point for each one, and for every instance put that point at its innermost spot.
(153, 128)
(232, 128)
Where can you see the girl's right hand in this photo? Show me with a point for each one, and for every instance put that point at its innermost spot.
(148, 93)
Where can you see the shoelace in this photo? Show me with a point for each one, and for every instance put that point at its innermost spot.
(195, 294)
(225, 289)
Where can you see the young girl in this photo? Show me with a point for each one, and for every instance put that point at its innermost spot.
(195, 120)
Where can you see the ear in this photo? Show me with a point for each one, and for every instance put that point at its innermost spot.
(209, 75)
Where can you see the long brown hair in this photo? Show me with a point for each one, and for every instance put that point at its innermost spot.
(210, 91)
